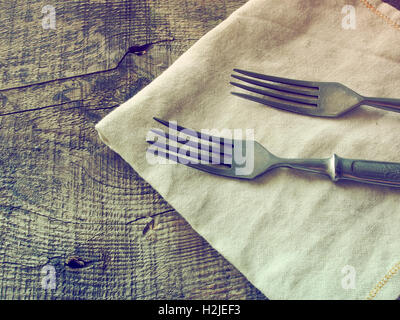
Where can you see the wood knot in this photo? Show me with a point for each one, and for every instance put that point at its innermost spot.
(140, 50)
(75, 262)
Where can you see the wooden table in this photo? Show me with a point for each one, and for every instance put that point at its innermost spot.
(76, 221)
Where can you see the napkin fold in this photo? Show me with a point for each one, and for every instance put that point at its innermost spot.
(294, 235)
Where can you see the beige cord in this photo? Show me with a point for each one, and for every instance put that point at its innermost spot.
(384, 280)
(377, 12)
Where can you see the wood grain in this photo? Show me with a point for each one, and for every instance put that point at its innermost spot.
(66, 199)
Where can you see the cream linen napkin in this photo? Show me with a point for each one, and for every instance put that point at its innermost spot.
(294, 235)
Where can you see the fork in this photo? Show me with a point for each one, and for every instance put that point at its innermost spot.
(224, 157)
(313, 98)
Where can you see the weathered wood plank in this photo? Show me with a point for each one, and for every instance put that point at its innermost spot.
(64, 194)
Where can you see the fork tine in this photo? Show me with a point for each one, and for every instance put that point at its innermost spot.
(222, 151)
(276, 87)
(300, 83)
(198, 166)
(193, 154)
(311, 102)
(217, 149)
(211, 169)
(228, 169)
(197, 134)
(283, 106)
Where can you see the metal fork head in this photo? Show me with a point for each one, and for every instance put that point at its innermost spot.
(235, 158)
(322, 99)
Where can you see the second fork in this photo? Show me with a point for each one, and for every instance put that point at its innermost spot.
(313, 98)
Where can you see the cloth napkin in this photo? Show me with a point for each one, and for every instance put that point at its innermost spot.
(294, 235)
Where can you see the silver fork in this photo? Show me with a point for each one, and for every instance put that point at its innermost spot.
(223, 157)
(321, 99)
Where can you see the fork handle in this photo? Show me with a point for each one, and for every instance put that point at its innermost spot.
(383, 173)
(383, 103)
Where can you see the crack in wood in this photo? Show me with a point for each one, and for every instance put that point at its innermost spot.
(77, 262)
(11, 208)
(80, 101)
(41, 108)
(137, 50)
